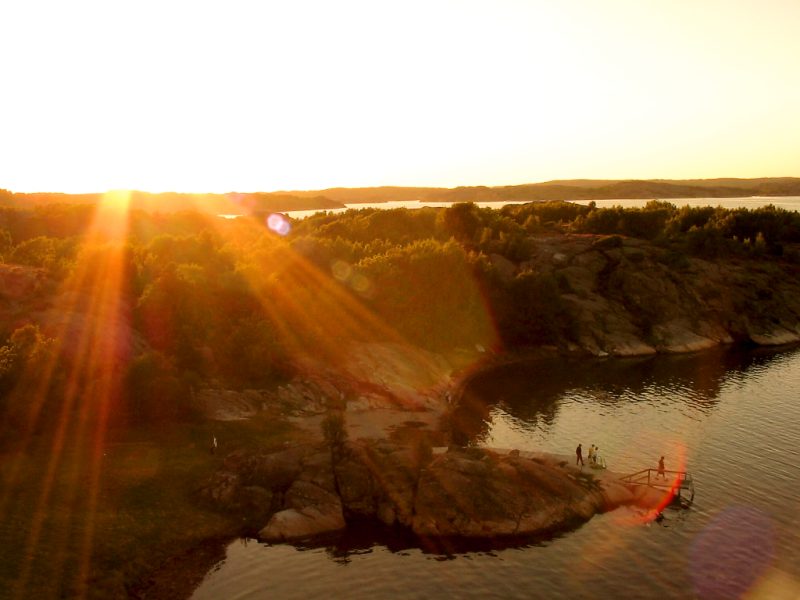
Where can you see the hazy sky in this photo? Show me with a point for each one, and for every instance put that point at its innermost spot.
(294, 94)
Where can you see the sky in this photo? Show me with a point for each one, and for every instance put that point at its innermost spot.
(216, 96)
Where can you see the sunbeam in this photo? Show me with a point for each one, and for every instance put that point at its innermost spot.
(96, 288)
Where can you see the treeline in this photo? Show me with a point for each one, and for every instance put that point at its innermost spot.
(588, 189)
(203, 298)
(568, 189)
(230, 203)
(572, 189)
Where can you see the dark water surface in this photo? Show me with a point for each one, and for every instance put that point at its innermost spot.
(730, 418)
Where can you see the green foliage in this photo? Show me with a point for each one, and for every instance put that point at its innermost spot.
(427, 292)
(26, 350)
(545, 216)
(6, 244)
(647, 223)
(26, 402)
(463, 222)
(53, 254)
(233, 301)
(365, 226)
(54, 220)
(529, 310)
(251, 353)
(143, 512)
(156, 391)
(688, 217)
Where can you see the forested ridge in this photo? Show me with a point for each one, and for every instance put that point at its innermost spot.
(230, 203)
(567, 189)
(198, 298)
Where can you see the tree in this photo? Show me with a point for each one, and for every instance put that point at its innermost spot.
(462, 221)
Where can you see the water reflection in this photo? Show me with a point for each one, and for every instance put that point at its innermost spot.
(364, 537)
(360, 538)
(532, 394)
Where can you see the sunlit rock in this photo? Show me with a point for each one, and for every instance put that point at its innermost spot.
(676, 336)
(776, 337)
(293, 524)
(478, 493)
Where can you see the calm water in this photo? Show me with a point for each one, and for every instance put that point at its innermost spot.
(785, 202)
(732, 419)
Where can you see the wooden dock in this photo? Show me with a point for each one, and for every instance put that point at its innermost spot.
(680, 483)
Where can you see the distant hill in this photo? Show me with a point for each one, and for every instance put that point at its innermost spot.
(567, 189)
(571, 189)
(231, 203)
(588, 189)
(371, 194)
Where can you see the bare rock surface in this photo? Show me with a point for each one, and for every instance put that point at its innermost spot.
(296, 524)
(307, 490)
(479, 493)
(379, 479)
(625, 297)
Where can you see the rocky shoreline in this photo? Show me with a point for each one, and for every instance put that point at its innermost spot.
(623, 296)
(304, 491)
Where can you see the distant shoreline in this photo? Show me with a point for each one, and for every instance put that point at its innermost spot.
(331, 198)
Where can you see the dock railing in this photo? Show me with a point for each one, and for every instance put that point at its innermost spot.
(673, 480)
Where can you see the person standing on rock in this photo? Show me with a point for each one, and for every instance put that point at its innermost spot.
(597, 461)
(661, 468)
(579, 455)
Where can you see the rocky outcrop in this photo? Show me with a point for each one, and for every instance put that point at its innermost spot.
(625, 297)
(312, 510)
(617, 296)
(368, 378)
(291, 489)
(311, 503)
(379, 480)
(478, 493)
(467, 492)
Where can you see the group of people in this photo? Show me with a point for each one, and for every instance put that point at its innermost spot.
(595, 460)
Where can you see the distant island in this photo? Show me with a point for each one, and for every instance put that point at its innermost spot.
(331, 198)
(572, 189)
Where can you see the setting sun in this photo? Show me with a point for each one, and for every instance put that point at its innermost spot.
(205, 96)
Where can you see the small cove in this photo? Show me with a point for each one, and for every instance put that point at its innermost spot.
(730, 416)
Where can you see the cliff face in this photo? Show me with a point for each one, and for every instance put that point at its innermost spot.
(625, 297)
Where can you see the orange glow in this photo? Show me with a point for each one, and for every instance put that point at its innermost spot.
(679, 453)
(546, 94)
(92, 382)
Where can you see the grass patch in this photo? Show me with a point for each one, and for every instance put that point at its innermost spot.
(100, 532)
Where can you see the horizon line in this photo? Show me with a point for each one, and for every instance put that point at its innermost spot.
(383, 186)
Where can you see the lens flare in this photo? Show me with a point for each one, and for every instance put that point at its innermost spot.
(731, 554)
(279, 224)
(341, 270)
(361, 284)
(358, 282)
